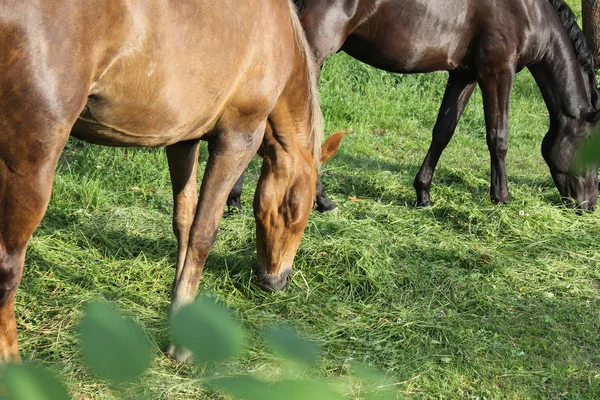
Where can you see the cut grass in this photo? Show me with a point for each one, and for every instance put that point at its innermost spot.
(462, 300)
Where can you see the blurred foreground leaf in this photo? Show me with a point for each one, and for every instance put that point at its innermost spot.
(116, 349)
(387, 394)
(22, 382)
(306, 389)
(287, 343)
(377, 384)
(249, 388)
(245, 387)
(208, 330)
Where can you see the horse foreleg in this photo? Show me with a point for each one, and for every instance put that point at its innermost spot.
(27, 164)
(229, 154)
(457, 95)
(182, 158)
(495, 90)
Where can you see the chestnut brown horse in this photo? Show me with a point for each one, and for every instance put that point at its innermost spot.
(237, 74)
(483, 42)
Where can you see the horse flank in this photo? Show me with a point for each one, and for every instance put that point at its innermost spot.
(580, 45)
(312, 101)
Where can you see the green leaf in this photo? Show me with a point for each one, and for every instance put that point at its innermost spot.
(116, 349)
(381, 395)
(286, 342)
(245, 387)
(23, 382)
(208, 330)
(249, 388)
(376, 384)
(370, 376)
(305, 389)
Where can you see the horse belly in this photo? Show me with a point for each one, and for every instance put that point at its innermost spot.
(139, 102)
(399, 58)
(414, 36)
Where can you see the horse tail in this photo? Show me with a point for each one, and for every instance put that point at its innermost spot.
(313, 102)
(580, 45)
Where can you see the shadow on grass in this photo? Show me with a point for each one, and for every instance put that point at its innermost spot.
(348, 184)
(370, 163)
(115, 245)
(94, 229)
(344, 183)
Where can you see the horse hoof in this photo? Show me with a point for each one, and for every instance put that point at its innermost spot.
(500, 200)
(178, 354)
(424, 204)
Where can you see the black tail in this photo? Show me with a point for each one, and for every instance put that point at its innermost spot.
(580, 44)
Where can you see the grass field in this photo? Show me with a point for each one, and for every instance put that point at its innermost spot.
(463, 300)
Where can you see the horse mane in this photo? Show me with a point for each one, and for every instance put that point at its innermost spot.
(582, 49)
(300, 6)
(312, 101)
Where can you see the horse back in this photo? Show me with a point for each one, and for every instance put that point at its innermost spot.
(146, 72)
(424, 36)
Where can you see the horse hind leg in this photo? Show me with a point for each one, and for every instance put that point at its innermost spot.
(496, 88)
(182, 158)
(457, 95)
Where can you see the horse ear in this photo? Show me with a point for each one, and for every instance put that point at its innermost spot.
(331, 145)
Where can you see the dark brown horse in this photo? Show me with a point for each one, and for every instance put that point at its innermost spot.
(237, 74)
(483, 42)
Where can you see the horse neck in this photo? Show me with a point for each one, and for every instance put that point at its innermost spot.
(561, 81)
(302, 94)
(302, 89)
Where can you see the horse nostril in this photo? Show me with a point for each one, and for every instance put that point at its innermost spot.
(274, 282)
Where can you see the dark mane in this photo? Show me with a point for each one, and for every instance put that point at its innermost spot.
(580, 44)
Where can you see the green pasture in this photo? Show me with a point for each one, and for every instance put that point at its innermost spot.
(462, 300)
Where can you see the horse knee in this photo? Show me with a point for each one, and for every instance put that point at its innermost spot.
(502, 147)
(498, 144)
(10, 273)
